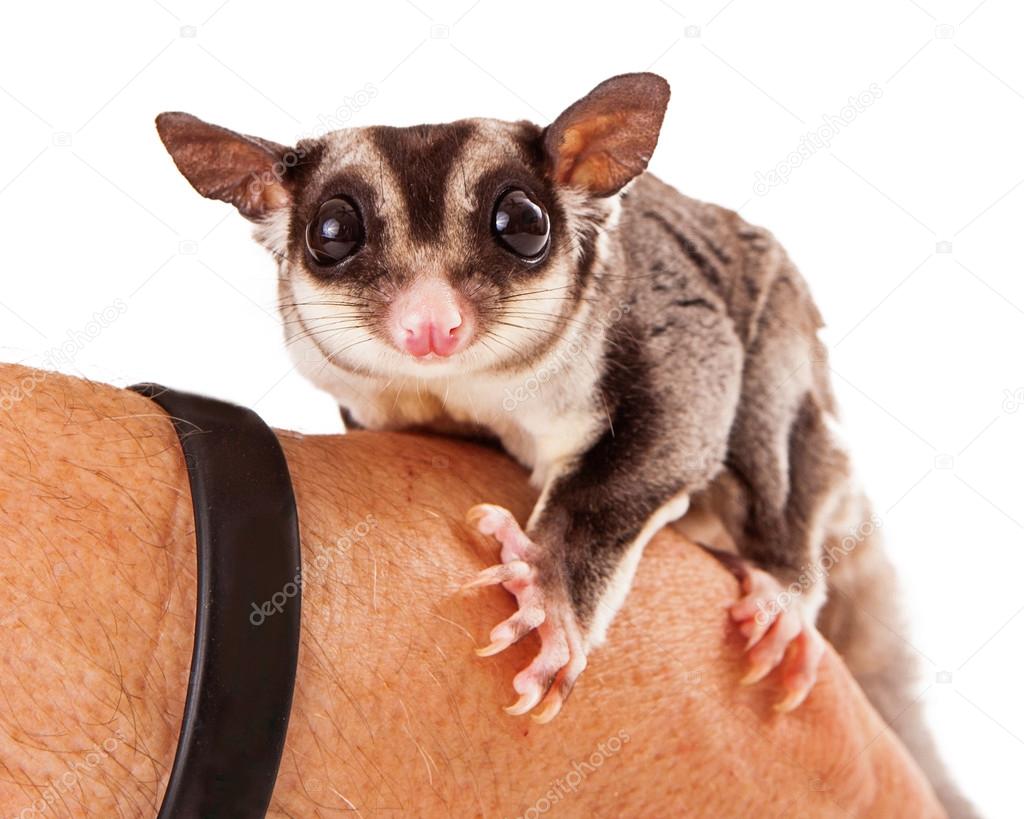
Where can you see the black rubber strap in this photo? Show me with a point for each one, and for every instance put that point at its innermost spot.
(247, 610)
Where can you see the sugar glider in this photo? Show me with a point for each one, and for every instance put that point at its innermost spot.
(646, 355)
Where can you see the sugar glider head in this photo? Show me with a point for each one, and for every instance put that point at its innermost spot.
(435, 249)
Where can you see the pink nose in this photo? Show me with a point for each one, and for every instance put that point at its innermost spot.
(438, 334)
(428, 320)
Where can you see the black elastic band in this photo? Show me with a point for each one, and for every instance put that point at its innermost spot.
(243, 665)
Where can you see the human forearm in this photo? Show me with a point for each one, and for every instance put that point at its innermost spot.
(392, 709)
(98, 597)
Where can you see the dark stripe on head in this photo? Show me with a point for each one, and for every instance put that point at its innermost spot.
(301, 163)
(421, 158)
(530, 138)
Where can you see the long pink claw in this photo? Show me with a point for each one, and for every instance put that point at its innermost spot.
(549, 678)
(777, 637)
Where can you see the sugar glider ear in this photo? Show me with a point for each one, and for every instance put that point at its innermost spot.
(246, 171)
(604, 140)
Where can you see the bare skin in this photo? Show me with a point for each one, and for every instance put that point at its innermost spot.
(394, 714)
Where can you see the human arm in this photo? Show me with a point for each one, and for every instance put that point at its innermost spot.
(393, 713)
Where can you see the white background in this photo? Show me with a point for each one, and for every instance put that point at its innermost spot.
(926, 342)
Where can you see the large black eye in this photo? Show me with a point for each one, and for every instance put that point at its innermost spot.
(335, 233)
(521, 224)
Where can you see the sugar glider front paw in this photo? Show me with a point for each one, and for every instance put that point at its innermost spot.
(778, 635)
(544, 605)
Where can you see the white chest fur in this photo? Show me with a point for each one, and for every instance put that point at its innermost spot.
(541, 420)
(540, 429)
